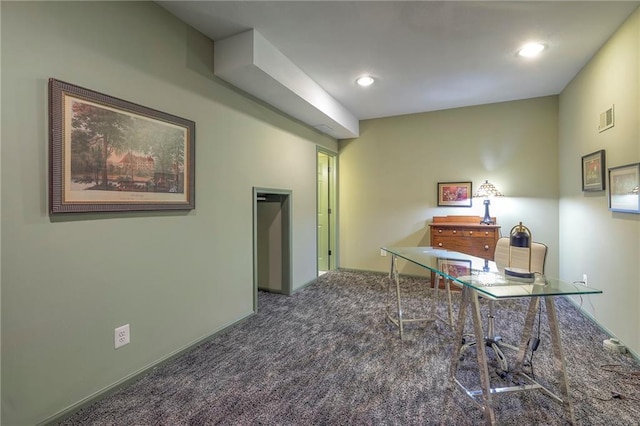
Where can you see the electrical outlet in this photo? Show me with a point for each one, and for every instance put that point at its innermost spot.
(122, 336)
(584, 279)
(383, 252)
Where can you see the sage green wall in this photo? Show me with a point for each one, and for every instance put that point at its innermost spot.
(0, 222)
(174, 277)
(593, 240)
(389, 175)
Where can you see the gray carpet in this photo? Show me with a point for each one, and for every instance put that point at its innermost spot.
(328, 356)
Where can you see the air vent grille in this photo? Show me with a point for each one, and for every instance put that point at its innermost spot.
(606, 120)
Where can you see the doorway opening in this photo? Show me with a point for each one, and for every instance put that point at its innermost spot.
(326, 202)
(271, 241)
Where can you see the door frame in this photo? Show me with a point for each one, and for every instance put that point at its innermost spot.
(333, 205)
(287, 264)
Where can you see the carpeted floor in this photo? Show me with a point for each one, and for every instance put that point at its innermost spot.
(328, 356)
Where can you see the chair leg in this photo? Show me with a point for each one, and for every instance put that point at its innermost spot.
(491, 340)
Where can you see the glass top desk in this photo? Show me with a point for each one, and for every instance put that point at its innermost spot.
(484, 279)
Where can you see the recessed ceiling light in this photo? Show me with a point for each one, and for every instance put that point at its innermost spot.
(531, 49)
(365, 81)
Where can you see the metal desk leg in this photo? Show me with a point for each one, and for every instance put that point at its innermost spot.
(398, 318)
(527, 331)
(447, 287)
(487, 399)
(559, 357)
(436, 298)
(470, 299)
(436, 295)
(556, 344)
(462, 316)
(393, 277)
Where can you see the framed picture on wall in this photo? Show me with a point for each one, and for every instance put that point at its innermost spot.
(454, 194)
(593, 167)
(623, 188)
(110, 155)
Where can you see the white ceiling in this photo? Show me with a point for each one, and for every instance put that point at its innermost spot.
(425, 55)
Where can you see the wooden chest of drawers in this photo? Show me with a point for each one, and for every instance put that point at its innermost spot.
(465, 234)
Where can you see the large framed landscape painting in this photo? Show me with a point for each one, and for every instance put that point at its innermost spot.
(110, 155)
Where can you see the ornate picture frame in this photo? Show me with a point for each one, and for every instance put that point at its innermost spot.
(110, 155)
(593, 171)
(455, 194)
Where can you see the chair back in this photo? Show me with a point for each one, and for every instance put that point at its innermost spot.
(519, 256)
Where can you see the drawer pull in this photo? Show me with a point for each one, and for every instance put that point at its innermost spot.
(470, 232)
(486, 247)
(486, 232)
(439, 244)
(455, 232)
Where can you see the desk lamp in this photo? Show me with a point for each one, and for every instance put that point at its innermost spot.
(486, 191)
(520, 238)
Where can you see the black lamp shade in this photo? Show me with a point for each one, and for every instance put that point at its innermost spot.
(520, 236)
(520, 239)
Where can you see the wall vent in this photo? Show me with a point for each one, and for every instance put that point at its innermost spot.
(325, 129)
(606, 120)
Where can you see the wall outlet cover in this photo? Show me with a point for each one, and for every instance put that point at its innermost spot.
(122, 336)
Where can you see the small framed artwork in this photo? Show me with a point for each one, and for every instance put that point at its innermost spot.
(454, 194)
(593, 167)
(110, 155)
(623, 188)
(454, 267)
